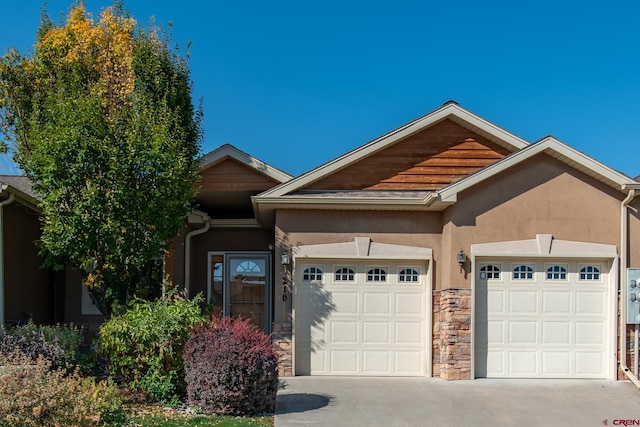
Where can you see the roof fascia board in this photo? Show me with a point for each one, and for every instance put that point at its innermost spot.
(548, 145)
(347, 202)
(450, 109)
(20, 196)
(229, 151)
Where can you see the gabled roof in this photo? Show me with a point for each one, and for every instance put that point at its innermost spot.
(293, 194)
(229, 151)
(553, 148)
(20, 187)
(450, 110)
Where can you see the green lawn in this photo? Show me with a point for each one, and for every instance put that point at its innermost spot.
(155, 415)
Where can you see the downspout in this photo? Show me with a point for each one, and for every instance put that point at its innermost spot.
(624, 255)
(187, 251)
(2, 203)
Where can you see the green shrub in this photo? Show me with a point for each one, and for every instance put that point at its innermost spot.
(231, 368)
(32, 393)
(144, 345)
(58, 344)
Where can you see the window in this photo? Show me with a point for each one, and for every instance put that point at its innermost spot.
(408, 275)
(490, 272)
(590, 272)
(312, 273)
(556, 272)
(248, 267)
(344, 274)
(523, 272)
(377, 275)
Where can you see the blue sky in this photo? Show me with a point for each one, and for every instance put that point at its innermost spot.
(298, 83)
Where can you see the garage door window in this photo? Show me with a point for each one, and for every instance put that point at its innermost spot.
(344, 274)
(523, 272)
(408, 275)
(312, 273)
(557, 272)
(377, 275)
(590, 273)
(489, 272)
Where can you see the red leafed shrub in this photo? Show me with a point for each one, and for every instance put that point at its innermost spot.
(231, 368)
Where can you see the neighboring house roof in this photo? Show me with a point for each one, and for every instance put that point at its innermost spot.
(19, 182)
(20, 186)
(229, 151)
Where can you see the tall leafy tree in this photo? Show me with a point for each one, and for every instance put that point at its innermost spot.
(102, 121)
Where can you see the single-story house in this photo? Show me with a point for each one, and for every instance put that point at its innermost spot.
(448, 248)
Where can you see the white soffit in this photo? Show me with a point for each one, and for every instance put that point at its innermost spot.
(544, 245)
(362, 248)
(229, 151)
(551, 147)
(451, 110)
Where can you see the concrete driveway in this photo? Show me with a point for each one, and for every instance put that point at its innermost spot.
(351, 401)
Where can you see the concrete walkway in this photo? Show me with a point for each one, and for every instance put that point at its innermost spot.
(351, 401)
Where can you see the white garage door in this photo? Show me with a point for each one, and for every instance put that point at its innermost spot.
(361, 319)
(542, 319)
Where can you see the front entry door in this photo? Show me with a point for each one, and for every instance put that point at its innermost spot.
(247, 288)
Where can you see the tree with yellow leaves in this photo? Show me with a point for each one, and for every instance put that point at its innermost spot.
(101, 119)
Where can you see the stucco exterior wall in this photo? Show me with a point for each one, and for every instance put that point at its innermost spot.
(541, 196)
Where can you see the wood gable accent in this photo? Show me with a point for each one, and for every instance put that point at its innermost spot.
(231, 175)
(428, 160)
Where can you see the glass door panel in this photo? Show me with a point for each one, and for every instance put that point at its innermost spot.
(247, 288)
(216, 285)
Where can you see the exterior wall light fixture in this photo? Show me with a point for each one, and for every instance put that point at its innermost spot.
(284, 258)
(462, 259)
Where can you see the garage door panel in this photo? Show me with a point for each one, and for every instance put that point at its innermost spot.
(376, 332)
(495, 363)
(523, 302)
(344, 332)
(344, 361)
(556, 333)
(590, 333)
(550, 328)
(346, 302)
(376, 362)
(495, 332)
(376, 303)
(409, 362)
(409, 304)
(408, 333)
(556, 302)
(522, 364)
(524, 332)
(589, 302)
(496, 302)
(589, 364)
(317, 362)
(556, 364)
